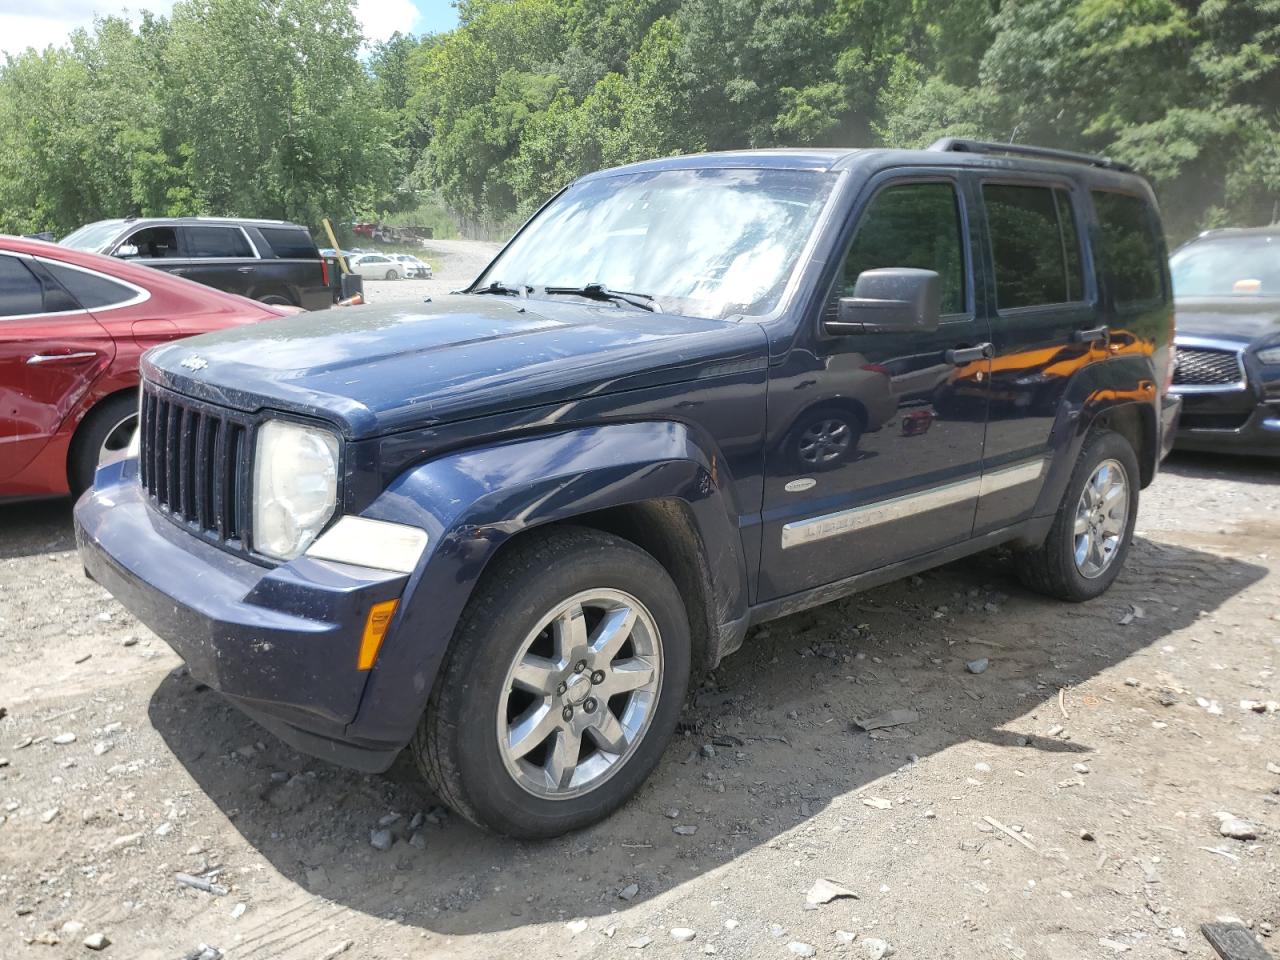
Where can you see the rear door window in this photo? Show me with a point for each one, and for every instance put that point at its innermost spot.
(1035, 245)
(217, 242)
(20, 292)
(1130, 249)
(911, 225)
(290, 243)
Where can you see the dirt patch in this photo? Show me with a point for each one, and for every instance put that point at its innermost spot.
(1063, 803)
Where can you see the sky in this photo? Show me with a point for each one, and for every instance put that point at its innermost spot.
(25, 24)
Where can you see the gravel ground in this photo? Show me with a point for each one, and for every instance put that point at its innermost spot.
(1062, 803)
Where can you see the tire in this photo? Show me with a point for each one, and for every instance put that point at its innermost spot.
(1052, 568)
(105, 428)
(276, 300)
(392, 275)
(457, 746)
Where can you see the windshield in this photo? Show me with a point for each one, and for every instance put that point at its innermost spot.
(707, 243)
(1229, 267)
(92, 237)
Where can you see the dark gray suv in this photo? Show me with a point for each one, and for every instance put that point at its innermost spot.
(268, 260)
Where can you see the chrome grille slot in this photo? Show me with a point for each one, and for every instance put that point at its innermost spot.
(194, 465)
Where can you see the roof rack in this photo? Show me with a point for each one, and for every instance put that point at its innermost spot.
(960, 145)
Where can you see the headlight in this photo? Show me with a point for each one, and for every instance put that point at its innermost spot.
(1270, 356)
(295, 487)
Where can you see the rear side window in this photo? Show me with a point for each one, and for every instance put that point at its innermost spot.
(1130, 249)
(20, 291)
(217, 242)
(1035, 246)
(911, 225)
(290, 243)
(91, 290)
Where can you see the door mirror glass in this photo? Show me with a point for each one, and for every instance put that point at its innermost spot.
(890, 300)
(126, 250)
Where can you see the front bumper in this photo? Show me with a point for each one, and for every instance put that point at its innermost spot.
(281, 643)
(1223, 423)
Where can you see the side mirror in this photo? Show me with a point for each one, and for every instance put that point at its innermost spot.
(126, 250)
(892, 300)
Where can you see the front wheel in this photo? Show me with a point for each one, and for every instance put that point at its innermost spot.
(1093, 528)
(562, 686)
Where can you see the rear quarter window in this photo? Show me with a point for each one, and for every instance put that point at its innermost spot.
(91, 290)
(290, 243)
(1130, 251)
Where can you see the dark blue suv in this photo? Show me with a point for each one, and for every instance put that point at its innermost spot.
(505, 528)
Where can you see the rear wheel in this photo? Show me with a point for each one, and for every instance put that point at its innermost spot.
(1093, 528)
(276, 300)
(562, 686)
(392, 275)
(108, 428)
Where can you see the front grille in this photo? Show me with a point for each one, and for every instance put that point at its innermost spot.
(1204, 367)
(194, 465)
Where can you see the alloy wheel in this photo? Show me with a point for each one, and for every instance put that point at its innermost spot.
(1101, 518)
(580, 694)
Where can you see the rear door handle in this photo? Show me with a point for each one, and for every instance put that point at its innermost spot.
(1096, 335)
(244, 269)
(983, 351)
(39, 358)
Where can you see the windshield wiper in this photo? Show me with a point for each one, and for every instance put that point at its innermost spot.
(498, 287)
(598, 291)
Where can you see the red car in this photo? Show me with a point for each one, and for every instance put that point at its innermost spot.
(72, 327)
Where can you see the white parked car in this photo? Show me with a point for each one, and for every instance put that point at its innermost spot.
(413, 267)
(375, 266)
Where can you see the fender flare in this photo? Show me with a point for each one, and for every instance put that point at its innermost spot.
(473, 501)
(1097, 391)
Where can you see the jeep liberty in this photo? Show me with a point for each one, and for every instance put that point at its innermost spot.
(504, 529)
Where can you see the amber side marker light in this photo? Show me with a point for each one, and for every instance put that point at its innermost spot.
(375, 628)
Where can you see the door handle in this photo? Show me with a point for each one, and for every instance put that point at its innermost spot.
(39, 358)
(983, 351)
(1096, 335)
(244, 269)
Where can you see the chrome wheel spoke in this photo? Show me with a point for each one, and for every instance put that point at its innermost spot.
(530, 729)
(623, 676)
(562, 759)
(1082, 523)
(611, 633)
(607, 732)
(536, 674)
(570, 633)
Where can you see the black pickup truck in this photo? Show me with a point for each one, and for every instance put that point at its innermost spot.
(268, 260)
(504, 529)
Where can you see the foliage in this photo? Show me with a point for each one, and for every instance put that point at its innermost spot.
(235, 107)
(273, 107)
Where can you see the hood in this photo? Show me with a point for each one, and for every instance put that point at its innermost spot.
(1241, 320)
(374, 370)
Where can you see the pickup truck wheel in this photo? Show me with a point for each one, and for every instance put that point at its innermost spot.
(1091, 533)
(562, 686)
